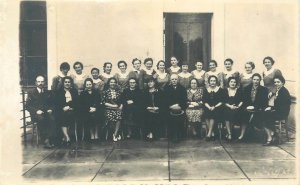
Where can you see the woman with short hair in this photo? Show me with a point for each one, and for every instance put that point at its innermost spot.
(79, 77)
(123, 76)
(199, 73)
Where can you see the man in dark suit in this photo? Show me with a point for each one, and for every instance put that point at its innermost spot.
(176, 102)
(136, 72)
(255, 102)
(40, 105)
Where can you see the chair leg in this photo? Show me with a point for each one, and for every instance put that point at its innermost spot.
(279, 132)
(287, 131)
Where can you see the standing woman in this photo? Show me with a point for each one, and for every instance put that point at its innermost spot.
(97, 82)
(161, 76)
(148, 72)
(246, 78)
(66, 107)
(213, 71)
(280, 111)
(79, 77)
(195, 107)
(90, 101)
(213, 98)
(233, 102)
(107, 67)
(174, 69)
(123, 76)
(153, 102)
(57, 80)
(132, 99)
(113, 107)
(268, 76)
(199, 73)
(229, 72)
(185, 77)
(136, 72)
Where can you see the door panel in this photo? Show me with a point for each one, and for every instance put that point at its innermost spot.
(188, 37)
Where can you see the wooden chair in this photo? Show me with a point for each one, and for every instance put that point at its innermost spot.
(278, 125)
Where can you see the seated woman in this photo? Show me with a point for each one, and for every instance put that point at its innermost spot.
(66, 104)
(229, 72)
(148, 72)
(161, 76)
(199, 73)
(153, 102)
(113, 107)
(279, 111)
(123, 76)
(233, 102)
(213, 98)
(174, 69)
(185, 77)
(132, 101)
(90, 105)
(255, 102)
(194, 110)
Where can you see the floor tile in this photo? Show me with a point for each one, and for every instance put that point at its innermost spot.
(94, 146)
(197, 143)
(66, 172)
(133, 171)
(212, 170)
(261, 153)
(147, 154)
(269, 169)
(78, 156)
(32, 155)
(136, 144)
(199, 154)
(290, 149)
(234, 144)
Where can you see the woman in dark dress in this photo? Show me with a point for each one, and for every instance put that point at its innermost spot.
(66, 107)
(213, 98)
(153, 102)
(90, 104)
(132, 101)
(113, 107)
(233, 103)
(279, 111)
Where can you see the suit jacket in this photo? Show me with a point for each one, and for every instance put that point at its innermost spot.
(139, 77)
(282, 104)
(38, 101)
(176, 96)
(261, 98)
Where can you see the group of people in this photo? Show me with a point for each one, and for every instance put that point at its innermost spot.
(153, 103)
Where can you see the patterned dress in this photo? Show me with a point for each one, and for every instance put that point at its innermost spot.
(112, 97)
(194, 114)
(199, 76)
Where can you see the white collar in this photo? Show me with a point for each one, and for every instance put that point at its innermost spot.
(62, 75)
(229, 72)
(174, 69)
(266, 72)
(149, 71)
(96, 80)
(107, 75)
(198, 74)
(123, 75)
(209, 89)
(247, 76)
(39, 90)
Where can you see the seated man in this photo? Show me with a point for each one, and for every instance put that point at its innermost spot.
(39, 105)
(176, 102)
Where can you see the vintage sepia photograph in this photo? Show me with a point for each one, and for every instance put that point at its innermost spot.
(150, 91)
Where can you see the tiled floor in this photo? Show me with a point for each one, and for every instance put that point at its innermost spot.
(133, 160)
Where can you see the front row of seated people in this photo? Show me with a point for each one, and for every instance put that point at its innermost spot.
(65, 115)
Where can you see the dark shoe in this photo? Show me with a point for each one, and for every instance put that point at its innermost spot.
(207, 138)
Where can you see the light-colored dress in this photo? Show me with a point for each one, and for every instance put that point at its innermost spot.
(199, 75)
(79, 81)
(162, 79)
(268, 79)
(217, 74)
(246, 79)
(184, 79)
(194, 114)
(174, 70)
(98, 85)
(104, 77)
